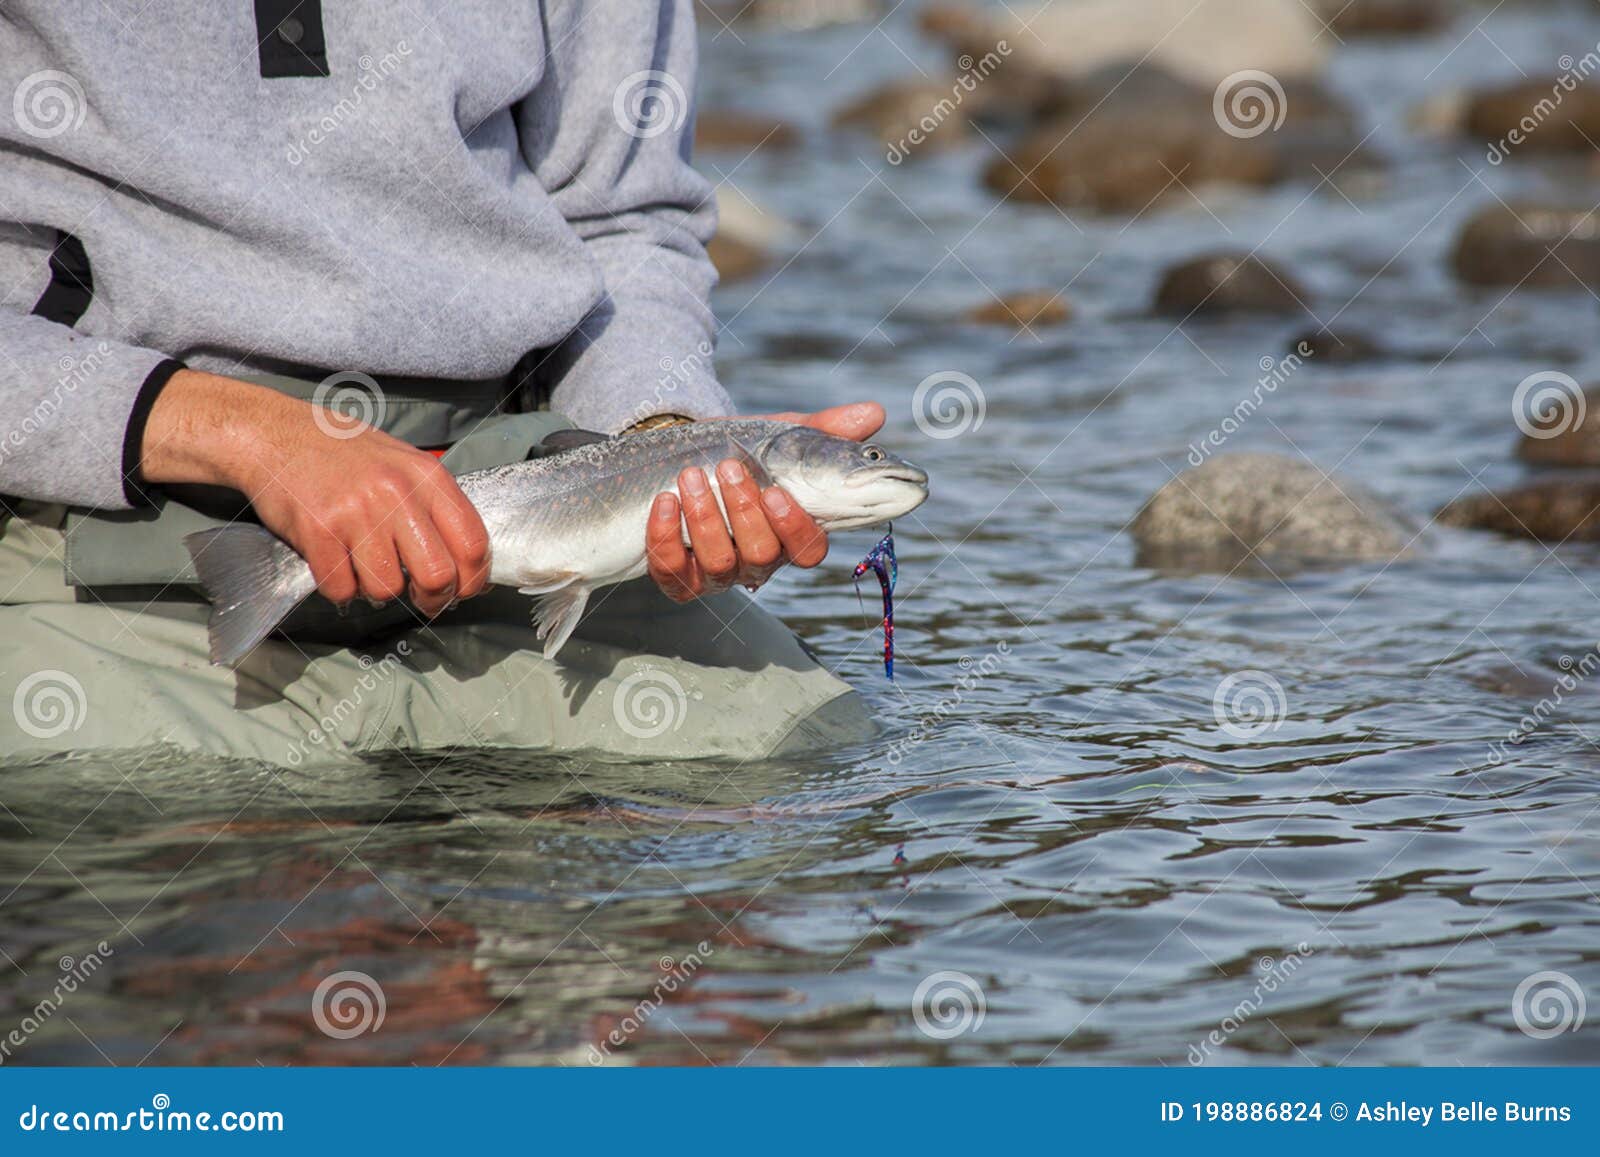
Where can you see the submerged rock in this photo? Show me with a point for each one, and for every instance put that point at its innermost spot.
(1574, 440)
(1220, 283)
(1383, 17)
(1535, 116)
(910, 116)
(1513, 244)
(1335, 347)
(1269, 506)
(1563, 509)
(1027, 310)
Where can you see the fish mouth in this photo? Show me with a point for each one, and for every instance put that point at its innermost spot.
(903, 472)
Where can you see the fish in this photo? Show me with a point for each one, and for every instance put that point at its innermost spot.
(563, 525)
(881, 561)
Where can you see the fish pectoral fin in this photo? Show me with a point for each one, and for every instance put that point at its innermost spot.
(536, 582)
(571, 439)
(557, 616)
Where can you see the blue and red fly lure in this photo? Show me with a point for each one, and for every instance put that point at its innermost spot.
(881, 561)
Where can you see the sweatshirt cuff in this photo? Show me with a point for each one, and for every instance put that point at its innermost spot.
(133, 483)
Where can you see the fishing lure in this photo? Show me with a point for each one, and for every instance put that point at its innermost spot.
(881, 561)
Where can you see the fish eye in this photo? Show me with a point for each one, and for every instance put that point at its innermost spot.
(873, 454)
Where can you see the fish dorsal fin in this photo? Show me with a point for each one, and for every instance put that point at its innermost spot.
(571, 439)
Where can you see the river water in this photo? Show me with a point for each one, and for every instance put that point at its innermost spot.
(1058, 853)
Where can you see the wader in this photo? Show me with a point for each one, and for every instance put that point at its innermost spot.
(103, 645)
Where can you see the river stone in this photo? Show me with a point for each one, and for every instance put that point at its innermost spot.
(1383, 17)
(1556, 509)
(1577, 443)
(722, 130)
(890, 113)
(1029, 309)
(1567, 127)
(1510, 245)
(1221, 283)
(1216, 514)
(1334, 347)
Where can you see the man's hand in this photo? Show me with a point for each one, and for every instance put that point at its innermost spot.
(769, 528)
(373, 516)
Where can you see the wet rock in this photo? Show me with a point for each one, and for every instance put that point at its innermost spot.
(1334, 347)
(910, 116)
(1512, 245)
(1383, 17)
(1270, 507)
(1573, 439)
(736, 259)
(1221, 283)
(721, 130)
(1203, 41)
(748, 236)
(1535, 116)
(798, 15)
(1027, 310)
(1550, 510)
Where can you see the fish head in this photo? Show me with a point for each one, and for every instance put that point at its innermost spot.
(844, 485)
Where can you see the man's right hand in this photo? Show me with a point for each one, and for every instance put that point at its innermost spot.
(374, 517)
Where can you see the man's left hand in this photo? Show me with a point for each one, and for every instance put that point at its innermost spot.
(769, 528)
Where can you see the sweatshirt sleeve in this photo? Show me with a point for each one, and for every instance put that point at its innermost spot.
(607, 130)
(72, 412)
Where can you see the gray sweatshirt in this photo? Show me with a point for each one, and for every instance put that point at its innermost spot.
(399, 188)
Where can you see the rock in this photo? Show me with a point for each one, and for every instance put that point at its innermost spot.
(1221, 283)
(1511, 245)
(1535, 116)
(1203, 41)
(796, 15)
(910, 116)
(1383, 17)
(1271, 506)
(1549, 510)
(1573, 439)
(1027, 310)
(736, 259)
(719, 130)
(1327, 347)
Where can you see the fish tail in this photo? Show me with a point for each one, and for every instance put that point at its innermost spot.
(253, 582)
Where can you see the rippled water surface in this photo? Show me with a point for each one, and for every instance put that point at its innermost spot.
(1054, 812)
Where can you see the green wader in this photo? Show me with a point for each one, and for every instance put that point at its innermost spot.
(103, 647)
